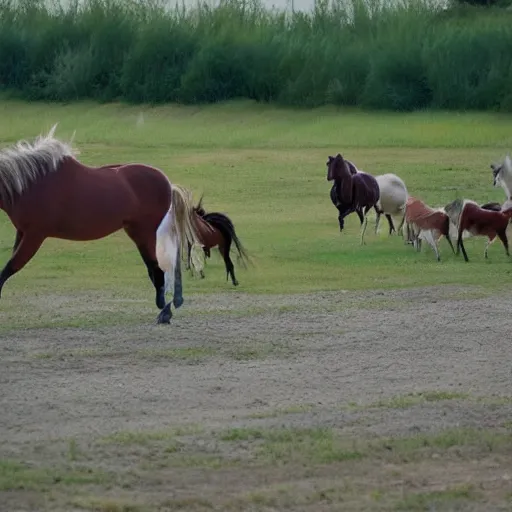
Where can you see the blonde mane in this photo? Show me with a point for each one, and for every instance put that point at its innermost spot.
(25, 162)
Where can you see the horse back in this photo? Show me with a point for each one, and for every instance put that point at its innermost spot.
(365, 189)
(209, 234)
(481, 221)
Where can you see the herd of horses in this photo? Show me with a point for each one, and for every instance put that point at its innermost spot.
(354, 190)
(48, 193)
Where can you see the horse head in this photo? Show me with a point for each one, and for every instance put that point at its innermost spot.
(337, 168)
(495, 174)
(499, 171)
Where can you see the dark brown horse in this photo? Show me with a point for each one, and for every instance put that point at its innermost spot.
(359, 211)
(48, 193)
(217, 230)
(353, 190)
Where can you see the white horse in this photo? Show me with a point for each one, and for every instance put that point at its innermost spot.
(502, 176)
(392, 200)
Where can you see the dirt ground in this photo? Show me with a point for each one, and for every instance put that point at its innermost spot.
(266, 403)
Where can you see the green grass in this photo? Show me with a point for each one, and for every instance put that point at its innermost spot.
(325, 445)
(438, 500)
(265, 167)
(17, 476)
(135, 437)
(411, 399)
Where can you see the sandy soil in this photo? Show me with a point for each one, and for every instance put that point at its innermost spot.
(237, 361)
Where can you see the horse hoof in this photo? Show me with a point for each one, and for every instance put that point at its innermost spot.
(235, 283)
(165, 315)
(178, 302)
(201, 274)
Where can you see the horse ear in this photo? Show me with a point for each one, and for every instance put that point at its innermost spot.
(508, 162)
(200, 203)
(338, 155)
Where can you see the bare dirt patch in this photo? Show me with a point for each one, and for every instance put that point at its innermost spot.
(265, 403)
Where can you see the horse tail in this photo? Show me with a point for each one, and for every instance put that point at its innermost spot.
(224, 224)
(454, 211)
(175, 228)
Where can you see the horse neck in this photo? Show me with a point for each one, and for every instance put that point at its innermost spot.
(344, 187)
(352, 167)
(202, 225)
(506, 184)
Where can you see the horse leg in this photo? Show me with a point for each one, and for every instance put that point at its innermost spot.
(360, 215)
(341, 222)
(503, 237)
(487, 244)
(146, 244)
(461, 245)
(436, 250)
(165, 315)
(450, 242)
(377, 218)
(344, 210)
(400, 229)
(390, 222)
(25, 247)
(224, 249)
(364, 229)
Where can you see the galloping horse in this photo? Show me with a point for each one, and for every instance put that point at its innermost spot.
(217, 230)
(48, 193)
(354, 190)
(469, 216)
(336, 200)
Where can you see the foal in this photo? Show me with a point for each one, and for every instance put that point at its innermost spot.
(217, 230)
(424, 222)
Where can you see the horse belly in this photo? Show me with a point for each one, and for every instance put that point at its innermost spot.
(392, 200)
(86, 210)
(89, 222)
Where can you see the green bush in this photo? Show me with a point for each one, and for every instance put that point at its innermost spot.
(470, 65)
(391, 54)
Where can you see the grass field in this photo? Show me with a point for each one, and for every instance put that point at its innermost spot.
(266, 169)
(335, 375)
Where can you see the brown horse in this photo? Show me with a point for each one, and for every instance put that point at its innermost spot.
(424, 222)
(47, 192)
(217, 230)
(478, 221)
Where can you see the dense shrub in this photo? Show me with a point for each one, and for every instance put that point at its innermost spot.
(399, 55)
